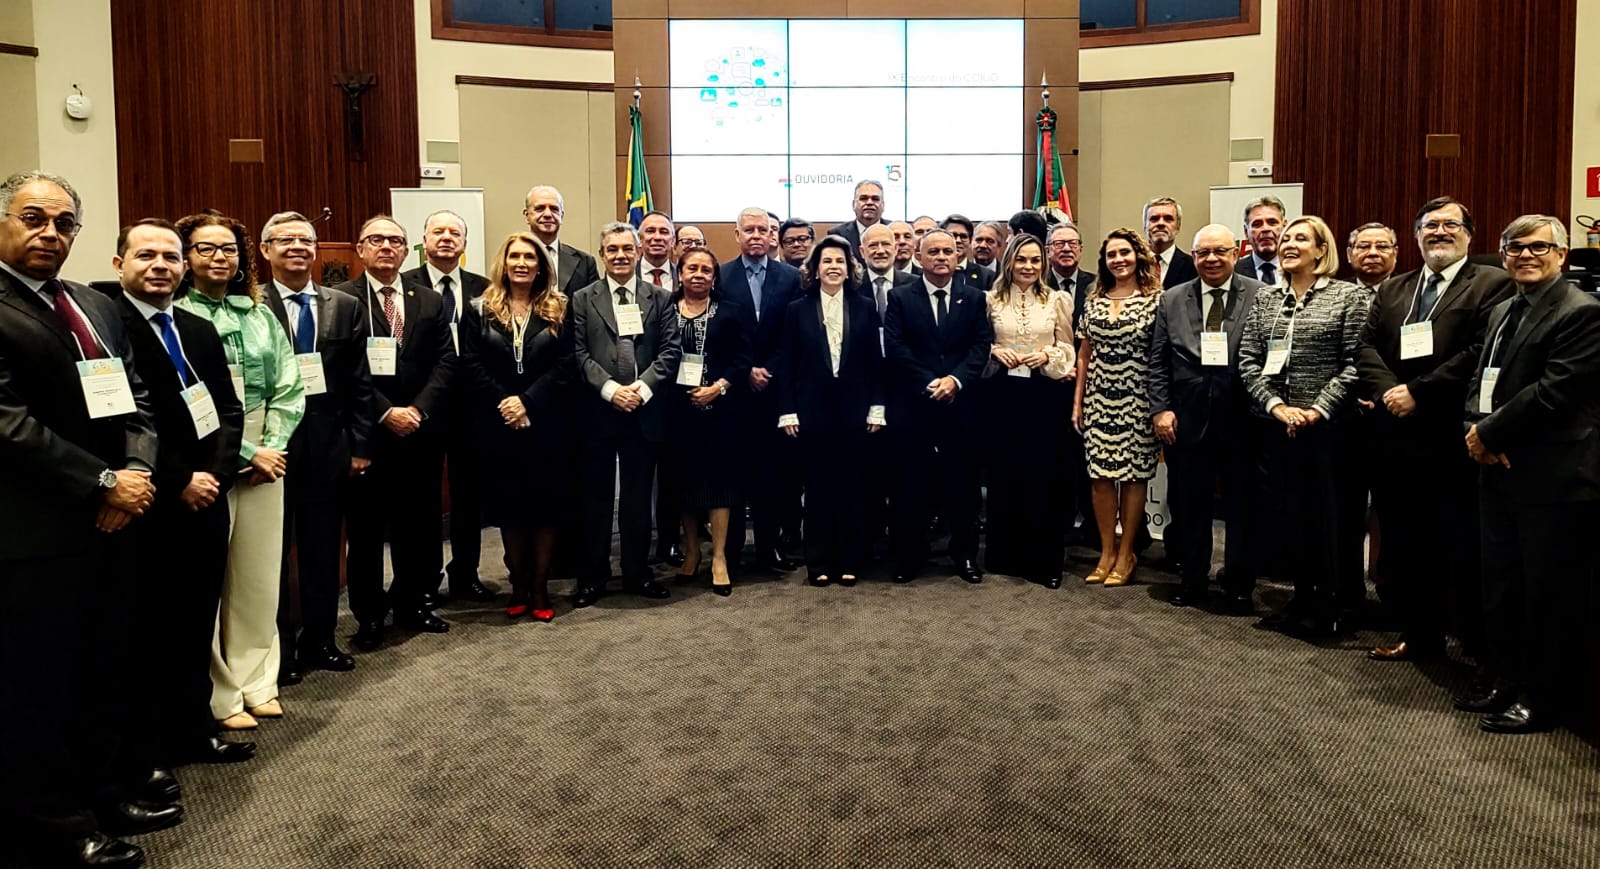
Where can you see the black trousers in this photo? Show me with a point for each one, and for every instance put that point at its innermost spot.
(835, 508)
(935, 464)
(878, 480)
(603, 456)
(772, 478)
(313, 520)
(1352, 466)
(1539, 580)
(1194, 472)
(172, 607)
(1079, 501)
(1298, 492)
(1427, 500)
(398, 499)
(1026, 472)
(466, 498)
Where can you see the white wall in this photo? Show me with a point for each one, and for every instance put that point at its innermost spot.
(1585, 115)
(74, 41)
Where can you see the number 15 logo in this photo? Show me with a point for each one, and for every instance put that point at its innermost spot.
(894, 171)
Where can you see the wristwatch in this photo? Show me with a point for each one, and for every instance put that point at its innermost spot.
(722, 387)
(108, 479)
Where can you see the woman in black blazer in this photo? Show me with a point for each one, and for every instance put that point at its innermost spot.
(830, 397)
(515, 341)
(702, 469)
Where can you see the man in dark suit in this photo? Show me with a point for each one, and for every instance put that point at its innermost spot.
(988, 242)
(1373, 250)
(1065, 248)
(625, 346)
(973, 275)
(1533, 405)
(412, 363)
(1416, 363)
(867, 203)
(444, 239)
(73, 473)
(937, 338)
(1163, 219)
(763, 289)
(878, 251)
(199, 421)
(1263, 223)
(905, 246)
(796, 236)
(329, 334)
(544, 210)
(657, 267)
(1201, 414)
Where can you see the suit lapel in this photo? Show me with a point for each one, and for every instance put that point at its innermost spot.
(412, 311)
(1455, 290)
(607, 314)
(567, 265)
(325, 312)
(14, 298)
(846, 318)
(1541, 309)
(1194, 313)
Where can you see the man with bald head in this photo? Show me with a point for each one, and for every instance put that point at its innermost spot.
(545, 210)
(689, 238)
(905, 245)
(1201, 414)
(878, 251)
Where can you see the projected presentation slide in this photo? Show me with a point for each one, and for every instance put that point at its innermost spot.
(799, 111)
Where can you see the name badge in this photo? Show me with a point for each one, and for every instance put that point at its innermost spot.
(1277, 355)
(1020, 370)
(1486, 390)
(311, 374)
(691, 369)
(202, 409)
(381, 355)
(629, 320)
(236, 374)
(106, 390)
(1416, 340)
(1214, 349)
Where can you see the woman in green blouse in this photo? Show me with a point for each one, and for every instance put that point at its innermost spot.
(222, 288)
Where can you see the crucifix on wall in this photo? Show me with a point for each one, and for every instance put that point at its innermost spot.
(355, 85)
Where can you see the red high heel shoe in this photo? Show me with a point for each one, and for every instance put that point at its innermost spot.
(543, 615)
(518, 606)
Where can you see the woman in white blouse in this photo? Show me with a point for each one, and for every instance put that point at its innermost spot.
(1027, 410)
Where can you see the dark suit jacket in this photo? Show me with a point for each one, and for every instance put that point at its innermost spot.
(472, 284)
(781, 286)
(657, 352)
(53, 455)
(427, 360)
(826, 403)
(576, 269)
(848, 231)
(917, 352)
(1079, 291)
(337, 424)
(180, 454)
(1247, 266)
(1546, 418)
(1205, 398)
(978, 276)
(1181, 271)
(1439, 382)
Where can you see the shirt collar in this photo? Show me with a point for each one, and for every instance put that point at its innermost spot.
(757, 265)
(1256, 258)
(928, 286)
(1206, 288)
(434, 275)
(614, 286)
(31, 283)
(380, 287)
(286, 293)
(1167, 255)
(145, 309)
(1450, 272)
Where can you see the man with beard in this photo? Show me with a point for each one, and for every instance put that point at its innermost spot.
(1263, 223)
(987, 242)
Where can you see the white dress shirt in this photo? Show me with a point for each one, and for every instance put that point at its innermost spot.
(1277, 270)
(553, 251)
(291, 306)
(435, 276)
(647, 272)
(833, 325)
(949, 305)
(611, 386)
(1447, 277)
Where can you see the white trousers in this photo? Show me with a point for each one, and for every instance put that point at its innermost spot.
(244, 650)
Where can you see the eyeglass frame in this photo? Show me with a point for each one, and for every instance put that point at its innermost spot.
(1528, 247)
(199, 247)
(375, 240)
(23, 217)
(1379, 246)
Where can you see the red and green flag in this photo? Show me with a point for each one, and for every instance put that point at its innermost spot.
(1050, 185)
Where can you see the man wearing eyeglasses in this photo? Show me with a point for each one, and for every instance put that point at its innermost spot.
(1373, 250)
(795, 239)
(960, 228)
(76, 467)
(412, 361)
(1065, 247)
(1416, 363)
(1533, 409)
(1263, 223)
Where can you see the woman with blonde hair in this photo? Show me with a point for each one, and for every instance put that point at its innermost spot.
(1112, 405)
(514, 347)
(1297, 360)
(1025, 408)
(220, 286)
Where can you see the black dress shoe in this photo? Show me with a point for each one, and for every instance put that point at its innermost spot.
(773, 559)
(368, 636)
(326, 656)
(1517, 719)
(1187, 597)
(1240, 604)
(904, 576)
(588, 595)
(470, 589)
(968, 570)
(430, 600)
(215, 749)
(95, 849)
(650, 588)
(422, 621)
(1053, 581)
(1496, 701)
(160, 786)
(134, 817)
(289, 672)
(671, 554)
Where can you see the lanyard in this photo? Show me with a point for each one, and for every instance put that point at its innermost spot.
(379, 297)
(1416, 296)
(1494, 348)
(1288, 336)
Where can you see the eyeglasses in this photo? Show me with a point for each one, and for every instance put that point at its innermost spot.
(1379, 246)
(1075, 244)
(1208, 252)
(1537, 248)
(66, 224)
(382, 240)
(206, 250)
(797, 239)
(1436, 225)
(292, 240)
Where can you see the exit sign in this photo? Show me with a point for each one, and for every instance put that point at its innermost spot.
(1593, 185)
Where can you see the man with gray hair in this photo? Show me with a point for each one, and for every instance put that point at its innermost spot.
(1533, 409)
(626, 350)
(1373, 250)
(545, 210)
(1163, 219)
(1263, 223)
(867, 203)
(444, 241)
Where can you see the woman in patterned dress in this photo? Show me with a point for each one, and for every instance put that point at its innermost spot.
(1112, 407)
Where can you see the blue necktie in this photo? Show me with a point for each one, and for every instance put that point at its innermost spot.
(1430, 294)
(169, 337)
(1267, 275)
(305, 331)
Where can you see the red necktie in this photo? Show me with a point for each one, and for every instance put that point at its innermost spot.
(391, 313)
(68, 312)
(655, 276)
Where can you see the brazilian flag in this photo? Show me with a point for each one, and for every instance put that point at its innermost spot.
(638, 180)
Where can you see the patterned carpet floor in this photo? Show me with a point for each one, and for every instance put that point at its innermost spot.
(933, 724)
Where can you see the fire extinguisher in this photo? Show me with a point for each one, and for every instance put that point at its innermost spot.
(1592, 226)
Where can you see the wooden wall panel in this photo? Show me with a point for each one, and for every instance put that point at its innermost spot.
(1361, 84)
(254, 71)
